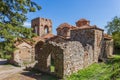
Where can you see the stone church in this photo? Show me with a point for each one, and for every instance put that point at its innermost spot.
(72, 49)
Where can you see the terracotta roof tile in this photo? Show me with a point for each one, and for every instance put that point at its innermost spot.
(88, 27)
(61, 26)
(48, 36)
(106, 36)
(83, 20)
(37, 38)
(53, 38)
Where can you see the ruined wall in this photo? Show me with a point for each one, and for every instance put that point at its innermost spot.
(44, 59)
(68, 58)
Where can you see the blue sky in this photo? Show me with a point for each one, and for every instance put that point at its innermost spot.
(99, 12)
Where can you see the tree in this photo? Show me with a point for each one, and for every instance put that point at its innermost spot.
(12, 16)
(113, 28)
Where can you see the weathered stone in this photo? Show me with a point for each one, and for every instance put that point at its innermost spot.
(23, 55)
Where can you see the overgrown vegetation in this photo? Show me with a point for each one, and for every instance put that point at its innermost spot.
(110, 70)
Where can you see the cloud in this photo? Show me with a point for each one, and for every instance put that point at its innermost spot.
(27, 24)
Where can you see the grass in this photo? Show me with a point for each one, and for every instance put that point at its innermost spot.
(52, 68)
(100, 71)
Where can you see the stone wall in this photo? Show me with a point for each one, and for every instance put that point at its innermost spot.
(107, 49)
(23, 55)
(92, 37)
(65, 32)
(44, 59)
(84, 36)
(76, 57)
(98, 44)
(68, 58)
(41, 24)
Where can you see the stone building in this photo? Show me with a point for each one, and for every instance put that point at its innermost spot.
(73, 48)
(24, 53)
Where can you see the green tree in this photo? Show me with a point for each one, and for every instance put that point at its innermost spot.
(113, 28)
(12, 16)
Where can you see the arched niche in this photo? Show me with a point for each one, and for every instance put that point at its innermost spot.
(46, 29)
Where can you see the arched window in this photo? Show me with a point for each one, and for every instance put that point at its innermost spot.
(46, 30)
(36, 29)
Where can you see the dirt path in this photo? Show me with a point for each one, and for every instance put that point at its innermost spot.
(6, 71)
(9, 72)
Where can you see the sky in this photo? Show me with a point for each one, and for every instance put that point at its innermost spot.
(99, 12)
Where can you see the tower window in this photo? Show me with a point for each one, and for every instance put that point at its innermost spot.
(46, 30)
(36, 29)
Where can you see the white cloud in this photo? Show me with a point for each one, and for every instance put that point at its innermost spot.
(27, 24)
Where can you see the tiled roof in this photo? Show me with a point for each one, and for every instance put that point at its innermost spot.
(53, 38)
(61, 26)
(106, 36)
(37, 38)
(48, 36)
(83, 20)
(20, 41)
(88, 27)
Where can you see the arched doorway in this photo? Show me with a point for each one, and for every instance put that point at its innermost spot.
(45, 62)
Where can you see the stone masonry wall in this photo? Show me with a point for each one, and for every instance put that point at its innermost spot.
(76, 57)
(98, 44)
(23, 55)
(92, 37)
(68, 58)
(44, 59)
(107, 49)
(84, 36)
(41, 23)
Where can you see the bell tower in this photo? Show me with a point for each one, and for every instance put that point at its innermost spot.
(41, 26)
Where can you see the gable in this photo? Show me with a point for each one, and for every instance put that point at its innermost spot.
(23, 45)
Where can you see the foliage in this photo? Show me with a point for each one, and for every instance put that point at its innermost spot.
(114, 25)
(116, 37)
(113, 29)
(12, 16)
(100, 71)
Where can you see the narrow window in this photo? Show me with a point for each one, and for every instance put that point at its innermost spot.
(36, 29)
(46, 30)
